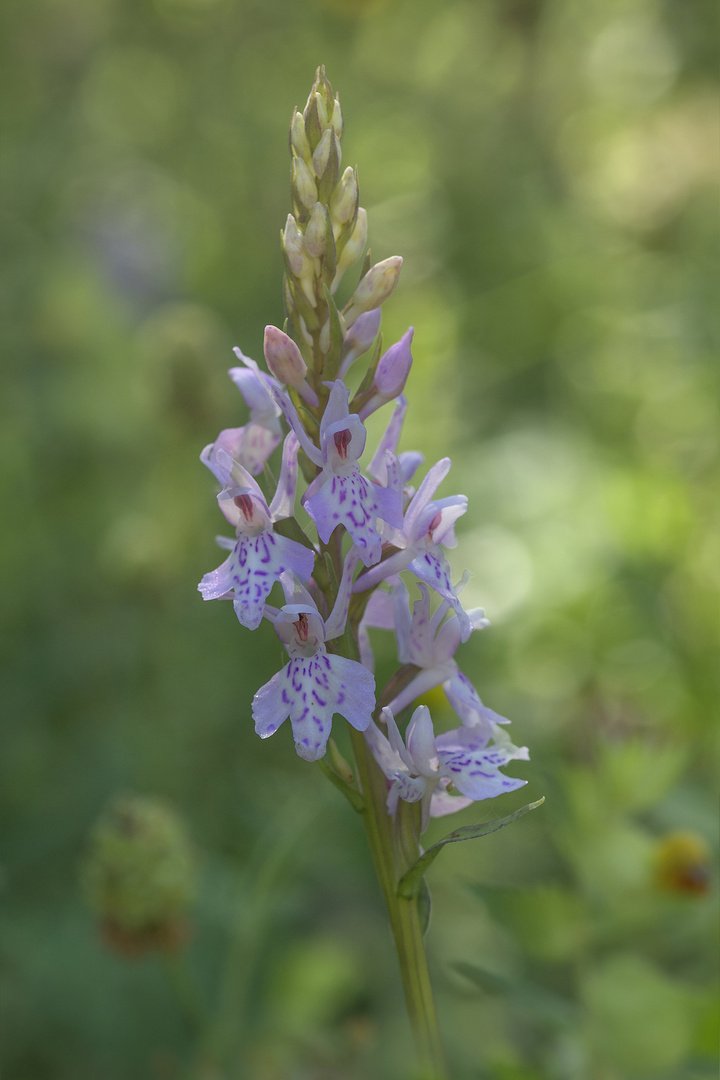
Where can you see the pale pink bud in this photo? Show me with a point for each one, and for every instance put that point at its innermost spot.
(283, 357)
(286, 363)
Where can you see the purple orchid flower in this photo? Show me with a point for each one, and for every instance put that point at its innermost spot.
(252, 444)
(426, 768)
(340, 494)
(427, 524)
(430, 643)
(260, 555)
(314, 684)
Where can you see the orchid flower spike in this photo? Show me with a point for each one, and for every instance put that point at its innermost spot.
(260, 556)
(314, 684)
(426, 768)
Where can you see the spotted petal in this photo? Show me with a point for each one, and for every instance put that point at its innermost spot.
(310, 690)
(473, 767)
(354, 502)
(251, 569)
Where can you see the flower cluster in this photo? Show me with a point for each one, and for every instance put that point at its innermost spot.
(371, 524)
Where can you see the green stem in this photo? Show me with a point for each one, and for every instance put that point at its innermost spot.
(394, 847)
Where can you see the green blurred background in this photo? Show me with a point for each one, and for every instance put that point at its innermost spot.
(547, 169)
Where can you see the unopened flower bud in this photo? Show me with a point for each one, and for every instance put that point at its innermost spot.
(390, 374)
(293, 245)
(326, 164)
(359, 338)
(303, 184)
(353, 248)
(285, 361)
(139, 875)
(299, 145)
(315, 231)
(321, 111)
(336, 119)
(321, 155)
(283, 358)
(374, 288)
(344, 198)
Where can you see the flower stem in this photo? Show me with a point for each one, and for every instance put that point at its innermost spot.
(394, 847)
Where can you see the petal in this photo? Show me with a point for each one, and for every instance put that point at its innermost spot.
(389, 761)
(250, 571)
(336, 408)
(284, 497)
(473, 767)
(389, 441)
(425, 492)
(317, 687)
(409, 788)
(420, 741)
(443, 802)
(350, 501)
(433, 567)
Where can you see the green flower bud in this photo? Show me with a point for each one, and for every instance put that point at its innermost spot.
(328, 144)
(139, 874)
(344, 198)
(299, 145)
(374, 288)
(353, 248)
(302, 184)
(315, 231)
(292, 243)
(336, 119)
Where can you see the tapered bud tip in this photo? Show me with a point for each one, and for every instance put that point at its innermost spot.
(283, 357)
(299, 145)
(374, 289)
(394, 366)
(363, 332)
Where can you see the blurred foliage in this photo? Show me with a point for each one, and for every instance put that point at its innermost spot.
(547, 169)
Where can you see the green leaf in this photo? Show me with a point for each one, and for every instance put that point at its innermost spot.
(424, 904)
(410, 882)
